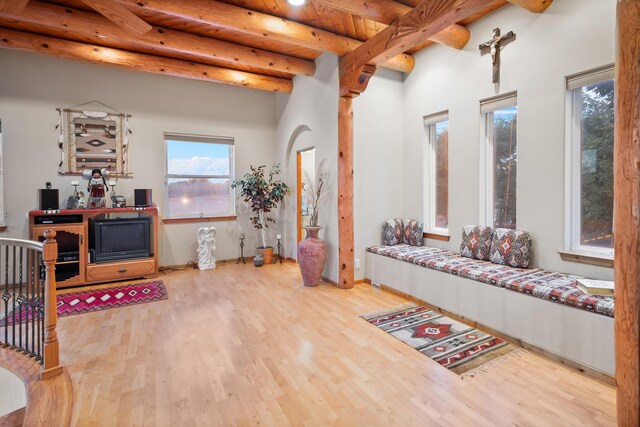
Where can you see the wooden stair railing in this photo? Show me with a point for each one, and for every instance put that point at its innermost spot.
(28, 315)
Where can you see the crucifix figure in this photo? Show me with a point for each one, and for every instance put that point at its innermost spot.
(494, 46)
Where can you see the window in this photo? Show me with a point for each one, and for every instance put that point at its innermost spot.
(590, 146)
(500, 160)
(436, 163)
(199, 175)
(2, 221)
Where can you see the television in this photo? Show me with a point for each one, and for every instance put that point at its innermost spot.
(117, 239)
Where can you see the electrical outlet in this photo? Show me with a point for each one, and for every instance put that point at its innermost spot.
(357, 264)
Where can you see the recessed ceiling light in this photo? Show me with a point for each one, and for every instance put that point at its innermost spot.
(296, 2)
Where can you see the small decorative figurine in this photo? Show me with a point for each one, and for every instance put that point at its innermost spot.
(206, 246)
(116, 201)
(74, 200)
(96, 188)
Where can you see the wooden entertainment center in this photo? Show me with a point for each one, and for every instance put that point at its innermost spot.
(81, 262)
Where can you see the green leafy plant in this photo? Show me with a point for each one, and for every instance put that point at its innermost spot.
(262, 193)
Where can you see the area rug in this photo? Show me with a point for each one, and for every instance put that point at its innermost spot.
(458, 347)
(95, 300)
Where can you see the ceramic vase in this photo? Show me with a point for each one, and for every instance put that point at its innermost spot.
(312, 253)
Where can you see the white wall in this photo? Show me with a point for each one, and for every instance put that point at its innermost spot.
(378, 153)
(13, 394)
(569, 37)
(378, 123)
(308, 117)
(32, 86)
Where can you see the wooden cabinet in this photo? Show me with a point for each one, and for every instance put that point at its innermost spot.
(72, 251)
(76, 244)
(120, 270)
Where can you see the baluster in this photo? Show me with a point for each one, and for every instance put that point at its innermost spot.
(13, 299)
(6, 295)
(20, 296)
(32, 302)
(40, 307)
(51, 347)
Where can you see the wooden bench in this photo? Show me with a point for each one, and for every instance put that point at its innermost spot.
(540, 308)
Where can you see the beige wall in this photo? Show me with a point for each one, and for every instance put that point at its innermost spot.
(32, 86)
(571, 36)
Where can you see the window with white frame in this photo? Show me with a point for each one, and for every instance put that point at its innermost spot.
(2, 221)
(436, 166)
(590, 128)
(499, 160)
(199, 173)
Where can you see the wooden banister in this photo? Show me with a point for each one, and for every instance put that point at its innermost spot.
(51, 352)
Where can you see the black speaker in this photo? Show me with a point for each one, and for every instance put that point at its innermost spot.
(142, 197)
(48, 199)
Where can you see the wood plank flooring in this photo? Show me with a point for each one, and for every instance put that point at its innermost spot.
(243, 346)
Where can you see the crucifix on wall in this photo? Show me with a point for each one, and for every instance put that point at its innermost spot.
(494, 46)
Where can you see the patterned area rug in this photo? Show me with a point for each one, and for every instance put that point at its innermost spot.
(454, 345)
(96, 300)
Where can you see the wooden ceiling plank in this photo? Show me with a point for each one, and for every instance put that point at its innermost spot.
(160, 39)
(119, 15)
(267, 26)
(387, 11)
(425, 20)
(27, 42)
(13, 6)
(535, 6)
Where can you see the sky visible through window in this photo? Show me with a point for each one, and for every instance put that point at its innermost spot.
(197, 158)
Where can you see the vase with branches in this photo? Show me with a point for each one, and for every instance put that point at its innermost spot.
(313, 193)
(312, 251)
(262, 192)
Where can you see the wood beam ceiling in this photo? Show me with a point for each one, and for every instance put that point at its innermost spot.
(119, 15)
(17, 40)
(535, 6)
(161, 41)
(13, 6)
(425, 20)
(387, 11)
(222, 15)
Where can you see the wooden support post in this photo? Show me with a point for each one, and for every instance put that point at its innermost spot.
(345, 193)
(51, 353)
(627, 213)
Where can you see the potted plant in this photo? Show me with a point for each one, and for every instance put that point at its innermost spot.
(263, 194)
(312, 251)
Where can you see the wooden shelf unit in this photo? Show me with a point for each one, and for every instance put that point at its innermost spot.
(74, 267)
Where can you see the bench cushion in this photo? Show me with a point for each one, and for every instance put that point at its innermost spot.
(556, 287)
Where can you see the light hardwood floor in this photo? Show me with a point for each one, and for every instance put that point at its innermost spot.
(242, 346)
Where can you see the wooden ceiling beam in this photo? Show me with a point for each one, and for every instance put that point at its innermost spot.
(160, 40)
(535, 6)
(428, 18)
(387, 11)
(119, 15)
(227, 16)
(13, 6)
(27, 42)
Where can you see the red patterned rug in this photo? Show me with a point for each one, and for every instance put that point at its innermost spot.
(454, 345)
(95, 300)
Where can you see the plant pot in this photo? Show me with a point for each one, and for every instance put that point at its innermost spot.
(312, 253)
(267, 254)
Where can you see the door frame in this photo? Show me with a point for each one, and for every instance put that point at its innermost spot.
(299, 191)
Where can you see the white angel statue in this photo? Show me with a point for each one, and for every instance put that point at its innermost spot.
(206, 247)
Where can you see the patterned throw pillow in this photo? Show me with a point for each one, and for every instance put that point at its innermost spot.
(392, 232)
(511, 247)
(476, 242)
(413, 232)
